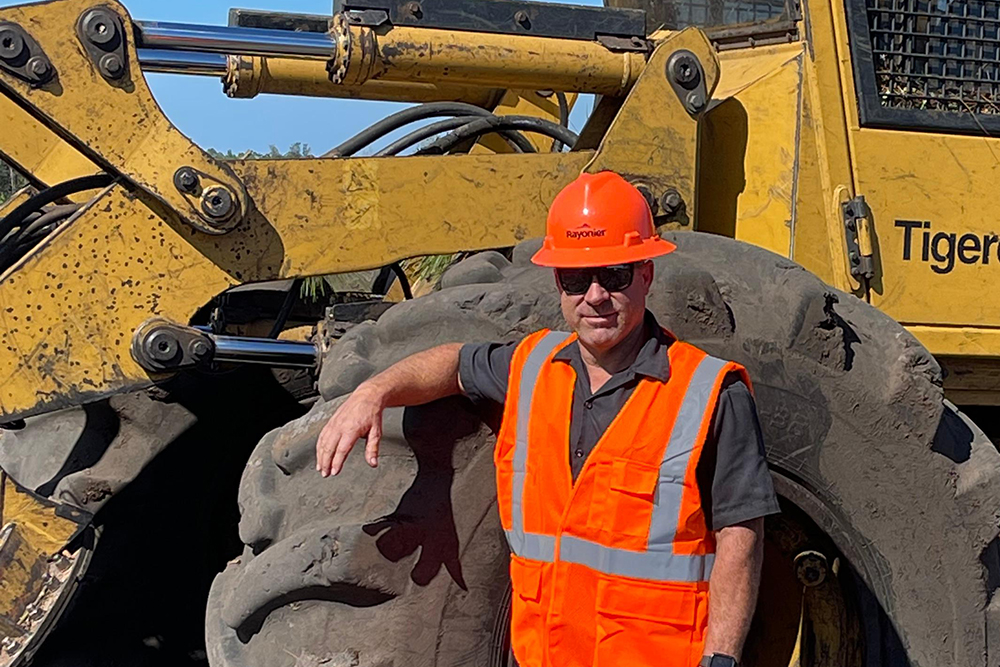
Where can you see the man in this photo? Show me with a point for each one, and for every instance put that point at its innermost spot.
(630, 471)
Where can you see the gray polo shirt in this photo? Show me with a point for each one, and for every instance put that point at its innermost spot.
(732, 473)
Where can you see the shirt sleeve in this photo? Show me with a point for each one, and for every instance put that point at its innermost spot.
(484, 369)
(732, 473)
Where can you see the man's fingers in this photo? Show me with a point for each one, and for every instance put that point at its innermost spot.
(324, 447)
(344, 447)
(371, 447)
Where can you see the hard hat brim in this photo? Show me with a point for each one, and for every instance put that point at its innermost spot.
(582, 258)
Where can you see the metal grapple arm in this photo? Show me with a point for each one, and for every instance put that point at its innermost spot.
(174, 227)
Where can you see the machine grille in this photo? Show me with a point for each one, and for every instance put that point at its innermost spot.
(936, 55)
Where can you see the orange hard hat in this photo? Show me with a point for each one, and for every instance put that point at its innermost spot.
(599, 220)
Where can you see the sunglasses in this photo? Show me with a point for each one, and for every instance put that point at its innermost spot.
(612, 278)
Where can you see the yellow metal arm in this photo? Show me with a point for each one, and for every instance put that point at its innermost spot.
(69, 308)
(249, 76)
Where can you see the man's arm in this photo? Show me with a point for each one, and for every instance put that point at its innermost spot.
(415, 380)
(739, 551)
(737, 493)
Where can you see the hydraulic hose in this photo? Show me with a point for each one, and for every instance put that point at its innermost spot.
(48, 218)
(563, 119)
(413, 114)
(20, 241)
(425, 132)
(384, 280)
(51, 195)
(286, 308)
(481, 126)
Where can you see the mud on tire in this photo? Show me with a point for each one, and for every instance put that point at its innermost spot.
(406, 564)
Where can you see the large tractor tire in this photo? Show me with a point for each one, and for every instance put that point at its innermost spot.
(886, 553)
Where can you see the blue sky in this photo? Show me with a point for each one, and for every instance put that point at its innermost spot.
(199, 108)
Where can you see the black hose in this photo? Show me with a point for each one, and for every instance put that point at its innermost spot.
(563, 119)
(51, 195)
(384, 280)
(286, 308)
(482, 126)
(404, 282)
(12, 234)
(405, 117)
(424, 132)
(50, 217)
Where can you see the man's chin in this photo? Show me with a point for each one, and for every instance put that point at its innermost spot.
(599, 338)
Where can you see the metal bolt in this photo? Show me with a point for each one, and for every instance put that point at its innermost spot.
(683, 68)
(647, 194)
(161, 346)
(522, 19)
(11, 44)
(99, 26)
(111, 65)
(855, 259)
(40, 68)
(217, 203)
(671, 202)
(414, 9)
(695, 101)
(811, 568)
(186, 180)
(199, 349)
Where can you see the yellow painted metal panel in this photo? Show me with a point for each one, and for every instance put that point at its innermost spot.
(967, 341)
(36, 520)
(826, 70)
(750, 148)
(936, 229)
(653, 141)
(68, 310)
(121, 125)
(815, 219)
(35, 150)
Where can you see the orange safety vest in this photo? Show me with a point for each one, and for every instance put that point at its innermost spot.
(612, 569)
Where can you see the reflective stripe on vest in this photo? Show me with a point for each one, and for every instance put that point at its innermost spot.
(658, 562)
(529, 545)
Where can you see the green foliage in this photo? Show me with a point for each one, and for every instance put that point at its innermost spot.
(296, 151)
(430, 268)
(10, 181)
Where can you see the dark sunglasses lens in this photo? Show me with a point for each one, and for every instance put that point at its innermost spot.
(615, 278)
(575, 281)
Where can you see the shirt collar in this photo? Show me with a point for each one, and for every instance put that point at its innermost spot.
(652, 360)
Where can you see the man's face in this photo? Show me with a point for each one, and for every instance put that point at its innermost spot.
(602, 318)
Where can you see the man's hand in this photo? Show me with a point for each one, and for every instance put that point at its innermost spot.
(415, 380)
(360, 416)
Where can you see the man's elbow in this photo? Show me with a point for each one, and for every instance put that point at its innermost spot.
(744, 539)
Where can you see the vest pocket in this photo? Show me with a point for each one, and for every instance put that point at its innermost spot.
(527, 611)
(642, 623)
(632, 490)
